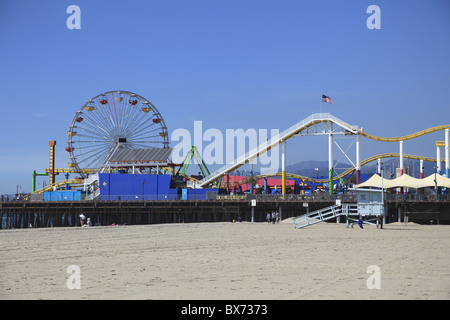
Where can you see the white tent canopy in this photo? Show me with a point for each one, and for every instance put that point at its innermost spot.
(406, 181)
(374, 181)
(442, 180)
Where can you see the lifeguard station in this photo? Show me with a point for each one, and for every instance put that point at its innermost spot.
(370, 209)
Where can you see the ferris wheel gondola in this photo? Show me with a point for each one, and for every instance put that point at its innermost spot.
(113, 120)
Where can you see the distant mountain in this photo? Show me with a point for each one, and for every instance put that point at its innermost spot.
(308, 168)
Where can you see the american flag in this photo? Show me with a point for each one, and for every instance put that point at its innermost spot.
(326, 99)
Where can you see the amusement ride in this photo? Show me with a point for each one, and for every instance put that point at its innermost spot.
(124, 124)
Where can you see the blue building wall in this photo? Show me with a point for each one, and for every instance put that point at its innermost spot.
(136, 187)
(60, 195)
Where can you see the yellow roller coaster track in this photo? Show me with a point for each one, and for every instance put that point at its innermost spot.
(93, 171)
(69, 170)
(343, 174)
(74, 182)
(61, 183)
(404, 138)
(58, 185)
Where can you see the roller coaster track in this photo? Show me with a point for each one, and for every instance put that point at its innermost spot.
(304, 126)
(404, 138)
(343, 174)
(70, 170)
(386, 155)
(93, 171)
(61, 183)
(58, 185)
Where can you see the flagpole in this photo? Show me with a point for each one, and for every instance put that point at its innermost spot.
(320, 105)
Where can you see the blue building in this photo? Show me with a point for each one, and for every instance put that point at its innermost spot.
(137, 187)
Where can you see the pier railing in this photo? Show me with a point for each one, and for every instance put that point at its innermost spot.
(321, 197)
(317, 197)
(431, 197)
(314, 197)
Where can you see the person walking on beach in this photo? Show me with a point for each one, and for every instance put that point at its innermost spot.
(268, 217)
(273, 216)
(277, 217)
(360, 222)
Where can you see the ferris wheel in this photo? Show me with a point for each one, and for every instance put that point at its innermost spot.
(112, 120)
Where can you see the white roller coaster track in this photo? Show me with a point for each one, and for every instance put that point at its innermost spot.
(310, 121)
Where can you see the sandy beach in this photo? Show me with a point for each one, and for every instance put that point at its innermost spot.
(227, 261)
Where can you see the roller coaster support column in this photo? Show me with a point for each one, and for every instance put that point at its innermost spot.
(330, 163)
(251, 177)
(265, 185)
(401, 158)
(283, 167)
(438, 159)
(401, 163)
(447, 154)
(421, 169)
(358, 159)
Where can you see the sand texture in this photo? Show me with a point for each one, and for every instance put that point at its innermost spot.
(227, 261)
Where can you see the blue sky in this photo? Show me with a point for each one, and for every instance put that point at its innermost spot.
(232, 64)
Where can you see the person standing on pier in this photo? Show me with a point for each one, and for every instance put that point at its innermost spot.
(82, 218)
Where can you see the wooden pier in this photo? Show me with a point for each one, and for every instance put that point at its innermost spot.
(36, 214)
(66, 213)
